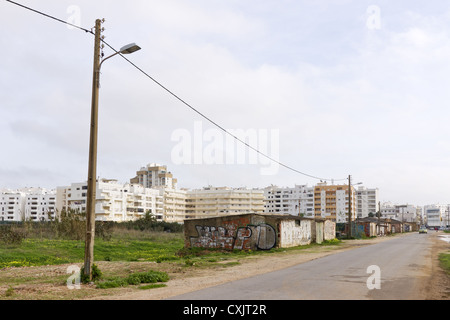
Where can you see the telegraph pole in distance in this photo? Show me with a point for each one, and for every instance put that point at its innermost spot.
(92, 180)
(349, 235)
(379, 217)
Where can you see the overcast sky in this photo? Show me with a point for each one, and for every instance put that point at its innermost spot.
(331, 89)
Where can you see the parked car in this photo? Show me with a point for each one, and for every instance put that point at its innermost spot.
(423, 230)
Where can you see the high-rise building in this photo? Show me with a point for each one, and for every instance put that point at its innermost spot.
(297, 201)
(332, 202)
(154, 175)
(366, 202)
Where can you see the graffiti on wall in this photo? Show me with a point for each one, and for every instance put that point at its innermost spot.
(262, 236)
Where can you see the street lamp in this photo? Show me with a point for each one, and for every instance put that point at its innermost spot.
(92, 180)
(128, 49)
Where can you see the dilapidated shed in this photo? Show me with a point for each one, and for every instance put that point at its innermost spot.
(255, 232)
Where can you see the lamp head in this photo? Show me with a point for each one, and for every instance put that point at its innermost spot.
(129, 48)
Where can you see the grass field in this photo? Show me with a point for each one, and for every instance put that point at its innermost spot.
(123, 260)
(444, 259)
(123, 246)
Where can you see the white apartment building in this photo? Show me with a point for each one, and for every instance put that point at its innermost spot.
(154, 175)
(174, 203)
(297, 201)
(34, 204)
(40, 205)
(114, 201)
(213, 201)
(366, 202)
(436, 215)
(404, 212)
(12, 206)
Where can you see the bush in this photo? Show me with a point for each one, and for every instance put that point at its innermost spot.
(149, 223)
(104, 229)
(96, 274)
(12, 235)
(72, 225)
(113, 283)
(135, 279)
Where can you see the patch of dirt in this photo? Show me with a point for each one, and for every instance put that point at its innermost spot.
(438, 287)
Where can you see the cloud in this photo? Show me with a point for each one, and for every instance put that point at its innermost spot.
(346, 99)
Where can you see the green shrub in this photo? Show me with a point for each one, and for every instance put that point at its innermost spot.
(149, 223)
(12, 235)
(444, 259)
(332, 242)
(135, 279)
(113, 283)
(152, 286)
(71, 225)
(147, 277)
(96, 274)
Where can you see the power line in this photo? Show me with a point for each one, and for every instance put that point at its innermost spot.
(179, 98)
(213, 122)
(49, 16)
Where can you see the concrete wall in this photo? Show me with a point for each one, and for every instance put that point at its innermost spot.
(295, 233)
(323, 230)
(242, 232)
(319, 231)
(248, 232)
(329, 230)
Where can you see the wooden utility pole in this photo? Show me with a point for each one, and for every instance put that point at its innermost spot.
(379, 217)
(349, 235)
(92, 180)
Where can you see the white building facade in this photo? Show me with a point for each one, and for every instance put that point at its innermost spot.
(366, 202)
(27, 204)
(296, 201)
(154, 175)
(403, 212)
(114, 201)
(12, 206)
(222, 201)
(436, 215)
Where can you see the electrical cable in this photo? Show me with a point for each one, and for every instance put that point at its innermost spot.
(178, 98)
(51, 17)
(213, 122)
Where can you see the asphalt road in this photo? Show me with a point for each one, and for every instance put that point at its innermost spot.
(400, 269)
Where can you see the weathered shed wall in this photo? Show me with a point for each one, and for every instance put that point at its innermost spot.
(329, 230)
(319, 231)
(254, 232)
(295, 233)
(243, 232)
